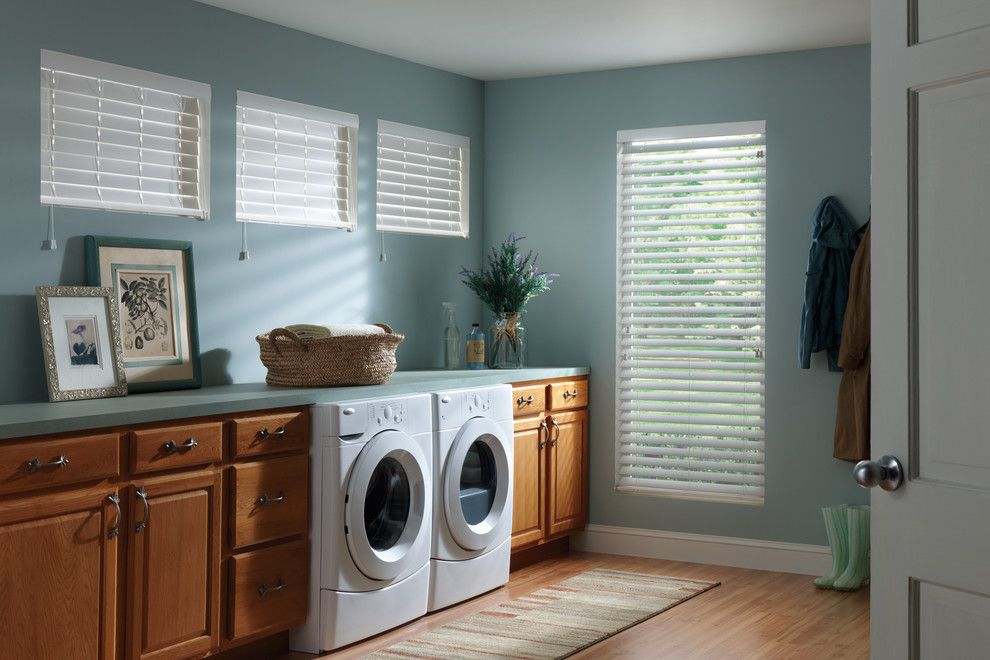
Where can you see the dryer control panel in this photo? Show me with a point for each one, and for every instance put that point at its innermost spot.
(455, 407)
(410, 414)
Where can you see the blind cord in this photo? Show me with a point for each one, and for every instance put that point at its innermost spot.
(50, 244)
(245, 254)
(382, 257)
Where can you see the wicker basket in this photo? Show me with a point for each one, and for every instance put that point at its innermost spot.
(329, 362)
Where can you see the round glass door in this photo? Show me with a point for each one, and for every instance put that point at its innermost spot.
(477, 476)
(385, 508)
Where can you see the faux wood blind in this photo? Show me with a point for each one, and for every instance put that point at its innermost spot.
(691, 216)
(295, 163)
(422, 181)
(122, 139)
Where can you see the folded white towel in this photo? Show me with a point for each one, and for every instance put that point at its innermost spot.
(307, 331)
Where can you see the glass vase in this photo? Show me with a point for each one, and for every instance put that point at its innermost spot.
(507, 342)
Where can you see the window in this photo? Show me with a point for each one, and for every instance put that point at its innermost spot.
(122, 139)
(295, 163)
(422, 181)
(691, 216)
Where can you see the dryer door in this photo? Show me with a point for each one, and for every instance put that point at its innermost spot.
(477, 476)
(385, 506)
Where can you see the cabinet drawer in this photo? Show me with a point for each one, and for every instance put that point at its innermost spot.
(265, 434)
(568, 394)
(46, 463)
(268, 589)
(168, 447)
(269, 500)
(528, 400)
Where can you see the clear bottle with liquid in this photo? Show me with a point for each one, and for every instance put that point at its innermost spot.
(451, 339)
(476, 347)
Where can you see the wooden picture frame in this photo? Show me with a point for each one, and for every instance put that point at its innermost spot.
(80, 340)
(154, 287)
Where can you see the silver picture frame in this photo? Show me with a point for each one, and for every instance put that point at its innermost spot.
(81, 343)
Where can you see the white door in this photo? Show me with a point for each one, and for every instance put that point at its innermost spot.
(476, 485)
(931, 327)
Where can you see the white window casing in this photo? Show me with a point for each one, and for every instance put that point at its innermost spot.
(691, 311)
(296, 163)
(121, 139)
(423, 181)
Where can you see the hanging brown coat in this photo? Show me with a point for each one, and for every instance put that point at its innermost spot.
(852, 417)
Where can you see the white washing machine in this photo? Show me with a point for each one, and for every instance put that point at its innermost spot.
(372, 505)
(472, 494)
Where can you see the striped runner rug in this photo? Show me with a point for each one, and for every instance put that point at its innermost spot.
(554, 622)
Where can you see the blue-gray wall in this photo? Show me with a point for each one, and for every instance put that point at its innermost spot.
(294, 275)
(550, 174)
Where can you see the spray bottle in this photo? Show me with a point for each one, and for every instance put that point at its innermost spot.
(451, 339)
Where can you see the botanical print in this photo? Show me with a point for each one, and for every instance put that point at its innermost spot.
(147, 314)
(83, 348)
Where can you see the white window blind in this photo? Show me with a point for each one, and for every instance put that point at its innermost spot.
(121, 139)
(422, 181)
(295, 163)
(691, 311)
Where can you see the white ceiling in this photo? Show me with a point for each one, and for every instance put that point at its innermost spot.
(494, 39)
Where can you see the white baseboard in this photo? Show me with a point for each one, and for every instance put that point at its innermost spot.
(704, 549)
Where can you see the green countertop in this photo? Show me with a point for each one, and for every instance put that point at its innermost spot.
(30, 419)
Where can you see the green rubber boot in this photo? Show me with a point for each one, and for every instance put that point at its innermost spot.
(837, 530)
(857, 573)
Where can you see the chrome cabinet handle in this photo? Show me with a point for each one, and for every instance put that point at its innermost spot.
(886, 473)
(556, 436)
(141, 524)
(265, 433)
(264, 589)
(35, 463)
(544, 430)
(265, 499)
(570, 394)
(114, 499)
(171, 446)
(524, 401)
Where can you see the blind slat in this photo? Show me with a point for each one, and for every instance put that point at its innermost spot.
(691, 291)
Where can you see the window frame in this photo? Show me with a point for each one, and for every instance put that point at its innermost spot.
(74, 64)
(698, 131)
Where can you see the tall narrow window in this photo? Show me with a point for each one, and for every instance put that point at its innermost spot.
(422, 181)
(296, 163)
(691, 215)
(122, 139)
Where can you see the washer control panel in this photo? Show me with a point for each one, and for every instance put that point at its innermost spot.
(454, 407)
(384, 414)
(410, 414)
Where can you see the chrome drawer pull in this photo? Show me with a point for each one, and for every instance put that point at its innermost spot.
(544, 431)
(114, 499)
(570, 394)
(265, 499)
(556, 427)
(264, 589)
(265, 433)
(35, 464)
(525, 401)
(171, 446)
(141, 524)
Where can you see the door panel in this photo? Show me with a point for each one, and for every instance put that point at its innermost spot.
(568, 456)
(528, 478)
(175, 559)
(58, 545)
(930, 107)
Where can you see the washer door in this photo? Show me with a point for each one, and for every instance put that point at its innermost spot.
(476, 483)
(385, 506)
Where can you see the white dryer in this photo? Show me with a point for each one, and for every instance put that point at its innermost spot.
(472, 496)
(372, 505)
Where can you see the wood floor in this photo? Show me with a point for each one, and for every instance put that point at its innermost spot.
(753, 614)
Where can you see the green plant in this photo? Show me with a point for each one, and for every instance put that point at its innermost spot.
(508, 280)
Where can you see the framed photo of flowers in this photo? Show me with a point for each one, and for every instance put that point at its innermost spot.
(80, 339)
(152, 282)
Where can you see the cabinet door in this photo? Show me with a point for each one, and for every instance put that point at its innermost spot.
(174, 566)
(58, 576)
(567, 506)
(529, 482)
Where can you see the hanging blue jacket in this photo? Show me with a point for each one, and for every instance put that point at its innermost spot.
(833, 244)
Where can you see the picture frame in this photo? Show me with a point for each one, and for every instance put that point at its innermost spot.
(154, 287)
(80, 340)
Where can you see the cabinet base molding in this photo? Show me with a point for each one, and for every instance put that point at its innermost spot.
(537, 553)
(266, 648)
(705, 549)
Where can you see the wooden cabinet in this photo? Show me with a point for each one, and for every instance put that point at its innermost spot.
(174, 566)
(58, 576)
(550, 474)
(269, 589)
